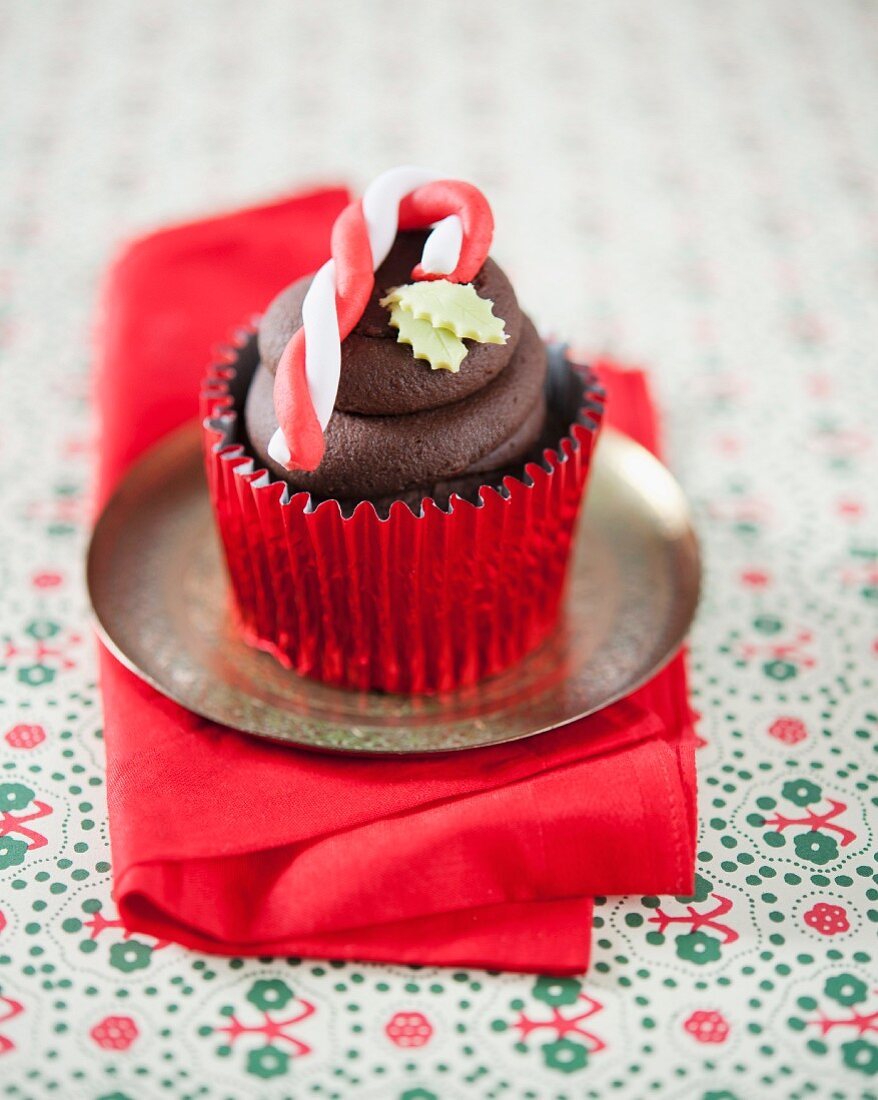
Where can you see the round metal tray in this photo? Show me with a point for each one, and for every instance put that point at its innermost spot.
(160, 596)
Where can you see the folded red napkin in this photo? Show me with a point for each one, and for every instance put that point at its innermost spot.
(230, 844)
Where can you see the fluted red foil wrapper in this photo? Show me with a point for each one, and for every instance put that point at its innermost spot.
(403, 603)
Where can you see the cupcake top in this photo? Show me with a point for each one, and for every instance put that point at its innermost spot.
(418, 378)
(379, 375)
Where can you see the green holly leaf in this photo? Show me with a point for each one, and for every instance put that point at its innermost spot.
(453, 306)
(440, 347)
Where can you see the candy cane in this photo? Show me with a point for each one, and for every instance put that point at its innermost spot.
(306, 382)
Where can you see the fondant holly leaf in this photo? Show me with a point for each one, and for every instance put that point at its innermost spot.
(440, 347)
(454, 306)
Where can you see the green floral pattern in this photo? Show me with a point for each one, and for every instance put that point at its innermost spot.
(130, 955)
(12, 851)
(846, 989)
(270, 994)
(801, 792)
(565, 1055)
(698, 948)
(14, 796)
(816, 848)
(267, 1062)
(557, 991)
(860, 1055)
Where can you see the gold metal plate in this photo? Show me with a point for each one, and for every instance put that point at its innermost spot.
(159, 592)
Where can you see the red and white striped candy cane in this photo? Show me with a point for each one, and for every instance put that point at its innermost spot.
(306, 382)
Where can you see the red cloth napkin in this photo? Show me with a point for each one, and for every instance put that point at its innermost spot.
(229, 844)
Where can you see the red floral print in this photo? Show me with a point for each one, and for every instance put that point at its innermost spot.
(25, 736)
(788, 730)
(115, 1033)
(409, 1029)
(707, 1027)
(828, 920)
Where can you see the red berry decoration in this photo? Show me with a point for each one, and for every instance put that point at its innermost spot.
(707, 1027)
(25, 737)
(788, 730)
(409, 1029)
(828, 920)
(115, 1033)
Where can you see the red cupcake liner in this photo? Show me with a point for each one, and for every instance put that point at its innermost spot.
(403, 603)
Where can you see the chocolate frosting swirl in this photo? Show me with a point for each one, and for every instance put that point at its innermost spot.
(399, 427)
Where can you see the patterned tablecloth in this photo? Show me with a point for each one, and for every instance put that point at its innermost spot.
(689, 185)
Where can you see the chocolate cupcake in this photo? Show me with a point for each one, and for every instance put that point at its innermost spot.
(401, 429)
(417, 470)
